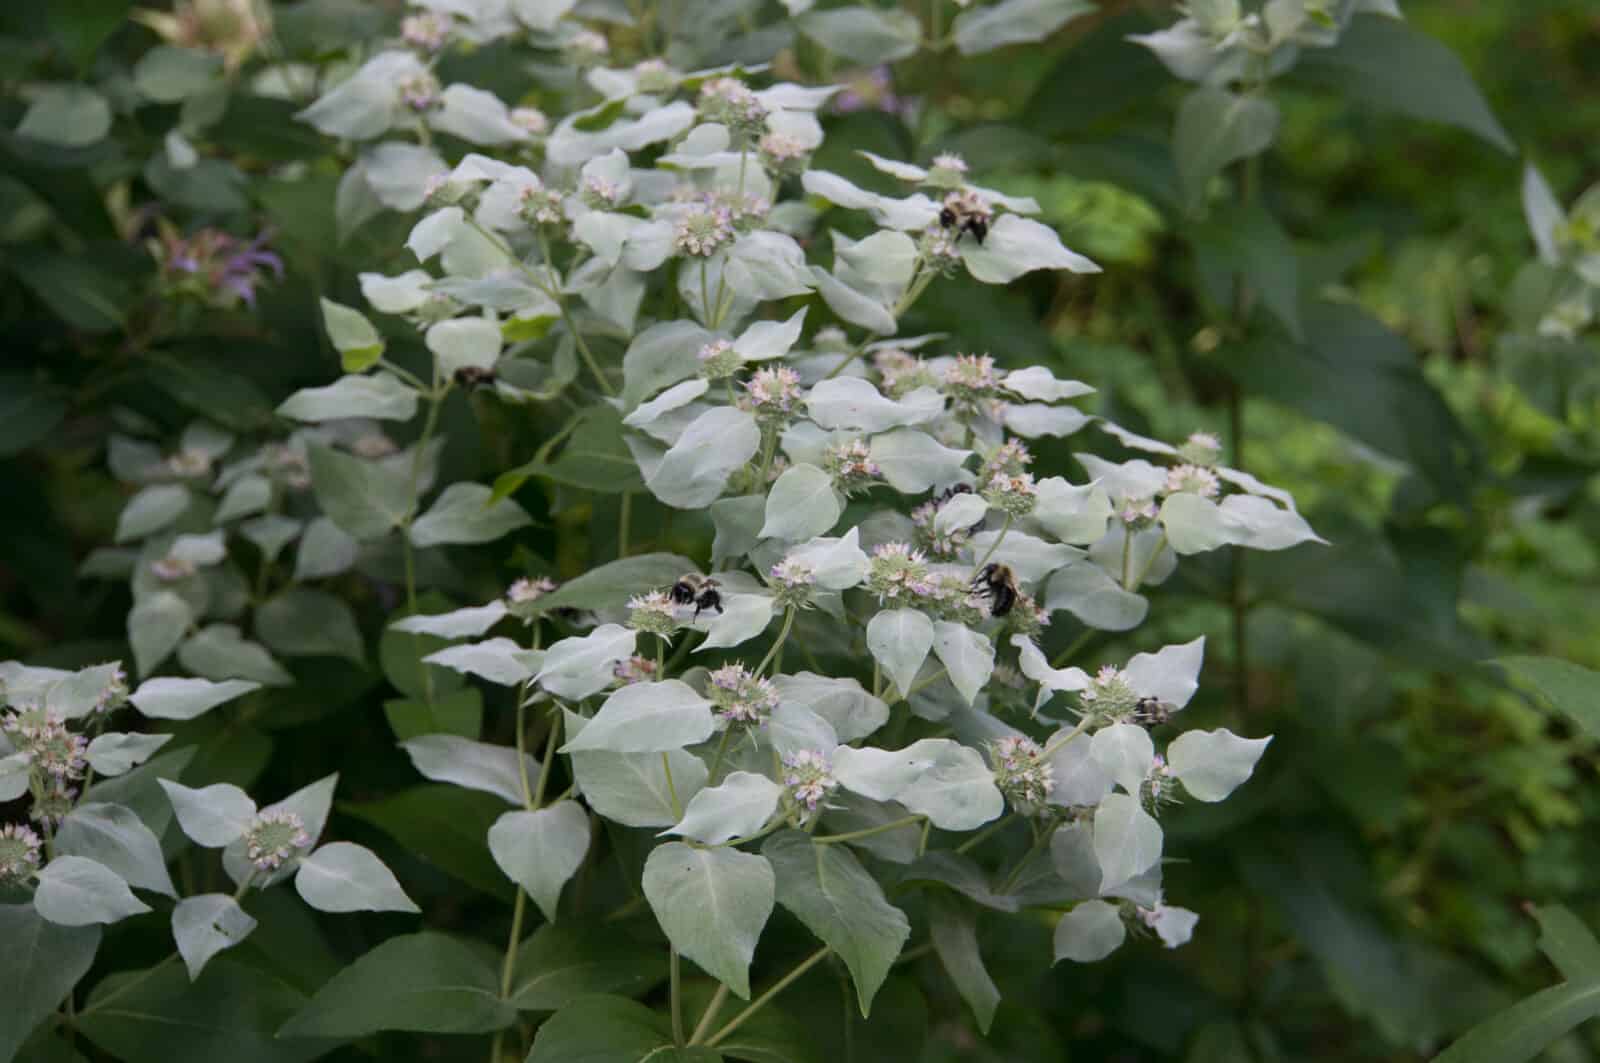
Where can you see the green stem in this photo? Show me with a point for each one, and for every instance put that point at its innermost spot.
(578, 341)
(672, 791)
(508, 969)
(1144, 570)
(766, 998)
(1072, 649)
(867, 832)
(998, 539)
(846, 360)
(1127, 554)
(1039, 842)
(705, 296)
(677, 1000)
(918, 285)
(788, 623)
(1083, 725)
(710, 1015)
(932, 679)
(986, 833)
(544, 767)
(716, 760)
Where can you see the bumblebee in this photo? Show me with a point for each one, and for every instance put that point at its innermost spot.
(472, 378)
(1153, 712)
(699, 591)
(998, 584)
(966, 212)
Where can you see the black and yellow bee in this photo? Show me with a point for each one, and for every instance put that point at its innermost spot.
(700, 591)
(975, 224)
(1153, 712)
(998, 584)
(471, 377)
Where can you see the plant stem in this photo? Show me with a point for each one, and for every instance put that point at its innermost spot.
(846, 360)
(1072, 649)
(1083, 725)
(766, 998)
(1039, 842)
(716, 760)
(672, 791)
(544, 767)
(985, 834)
(572, 326)
(710, 1015)
(508, 969)
(788, 623)
(998, 539)
(932, 679)
(1144, 570)
(867, 832)
(677, 1000)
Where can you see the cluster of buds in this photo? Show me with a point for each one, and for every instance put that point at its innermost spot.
(793, 582)
(971, 377)
(946, 545)
(420, 92)
(1201, 448)
(190, 463)
(441, 190)
(652, 613)
(872, 90)
(901, 373)
(172, 569)
(773, 393)
(635, 669)
(730, 102)
(718, 360)
(1160, 787)
(851, 466)
(655, 75)
(1022, 773)
(115, 694)
(1027, 616)
(1012, 458)
(1136, 513)
(600, 193)
(1192, 479)
(1012, 495)
(808, 779)
(372, 445)
(948, 171)
(230, 28)
(1110, 695)
(740, 697)
(938, 251)
(953, 597)
(539, 207)
(426, 31)
(273, 839)
(703, 230)
(54, 753)
(288, 464)
(19, 854)
(587, 48)
(782, 153)
(526, 591)
(214, 267)
(897, 573)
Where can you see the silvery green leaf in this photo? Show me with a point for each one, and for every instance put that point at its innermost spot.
(499, 660)
(694, 471)
(577, 667)
(803, 504)
(367, 103)
(959, 513)
(713, 904)
(74, 891)
(743, 617)
(304, 622)
(1073, 514)
(1039, 384)
(1544, 214)
(67, 116)
(705, 146)
(246, 495)
(1261, 525)
(1127, 840)
(1017, 245)
(1212, 764)
(1214, 128)
(1037, 668)
(464, 343)
(674, 398)
(212, 816)
(660, 356)
(201, 550)
(967, 656)
(541, 15)
(1194, 525)
(1174, 926)
(1124, 751)
(903, 170)
(470, 622)
(633, 788)
(113, 753)
(738, 522)
(793, 728)
(203, 926)
(168, 698)
(768, 265)
(647, 718)
(1080, 780)
(271, 533)
(604, 233)
(1131, 479)
(156, 624)
(345, 877)
(1088, 593)
(788, 96)
(983, 29)
(913, 213)
(851, 402)
(382, 396)
(1032, 559)
(829, 891)
(325, 550)
(398, 174)
(311, 803)
(220, 652)
(396, 295)
(957, 791)
(464, 513)
(497, 770)
(114, 836)
(1072, 857)
(436, 232)
(885, 258)
(837, 564)
(1089, 933)
(848, 708)
(882, 773)
(740, 805)
(29, 682)
(900, 640)
(853, 306)
(866, 35)
(913, 461)
(1172, 673)
(15, 773)
(79, 693)
(352, 335)
(770, 339)
(476, 116)
(1034, 419)
(540, 851)
(364, 498)
(953, 928)
(569, 146)
(150, 510)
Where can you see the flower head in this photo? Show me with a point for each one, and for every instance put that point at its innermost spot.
(274, 838)
(1202, 449)
(189, 463)
(525, 590)
(1136, 513)
(971, 376)
(53, 752)
(172, 569)
(215, 267)
(600, 193)
(902, 372)
(115, 694)
(19, 854)
(635, 669)
(1014, 495)
(1011, 459)
(773, 393)
(539, 206)
(808, 778)
(288, 463)
(740, 697)
(781, 152)
(898, 573)
(941, 544)
(373, 445)
(948, 171)
(730, 102)
(652, 613)
(851, 465)
(655, 75)
(1110, 694)
(794, 581)
(531, 120)
(1192, 479)
(426, 31)
(53, 803)
(1021, 772)
(718, 360)
(420, 92)
(701, 231)
(938, 249)
(587, 48)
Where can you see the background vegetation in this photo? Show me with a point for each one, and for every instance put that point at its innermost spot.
(1367, 896)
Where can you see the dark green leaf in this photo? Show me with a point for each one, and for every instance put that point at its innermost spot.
(458, 713)
(1572, 689)
(565, 961)
(954, 927)
(1527, 1028)
(444, 826)
(604, 1029)
(610, 586)
(82, 26)
(43, 962)
(1248, 242)
(1568, 944)
(1215, 128)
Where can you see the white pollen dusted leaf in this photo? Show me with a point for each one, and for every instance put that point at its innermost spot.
(844, 704)
(713, 905)
(740, 805)
(1127, 840)
(967, 656)
(694, 471)
(1030, 558)
(1212, 764)
(1017, 245)
(1074, 514)
(459, 624)
(1039, 384)
(1172, 673)
(850, 402)
(960, 512)
(499, 660)
(1089, 933)
(493, 769)
(900, 640)
(803, 504)
(574, 668)
(770, 339)
(345, 877)
(542, 850)
(743, 617)
(1125, 752)
(837, 564)
(632, 788)
(647, 718)
(912, 461)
